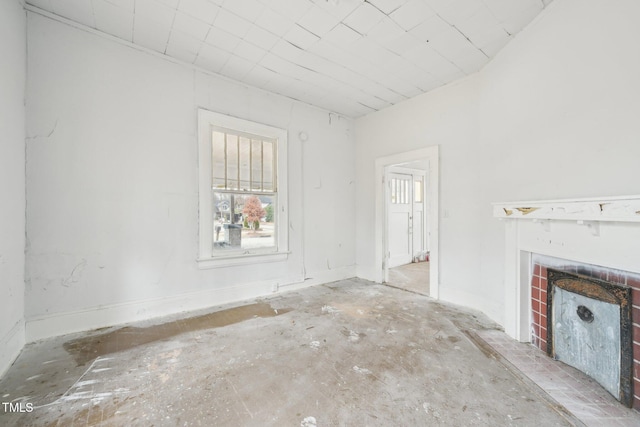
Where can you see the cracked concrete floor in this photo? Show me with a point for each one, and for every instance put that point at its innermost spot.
(347, 353)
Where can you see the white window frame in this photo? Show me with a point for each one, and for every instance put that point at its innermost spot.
(207, 121)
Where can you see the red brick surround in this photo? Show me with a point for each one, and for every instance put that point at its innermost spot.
(539, 308)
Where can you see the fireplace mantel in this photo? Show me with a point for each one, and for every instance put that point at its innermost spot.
(613, 209)
(602, 231)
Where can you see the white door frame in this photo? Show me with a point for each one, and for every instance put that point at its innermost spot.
(431, 155)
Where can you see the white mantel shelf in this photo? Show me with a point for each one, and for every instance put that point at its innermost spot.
(611, 209)
(603, 231)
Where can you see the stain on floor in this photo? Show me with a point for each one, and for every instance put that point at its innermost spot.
(89, 348)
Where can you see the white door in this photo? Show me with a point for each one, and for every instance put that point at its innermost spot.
(400, 221)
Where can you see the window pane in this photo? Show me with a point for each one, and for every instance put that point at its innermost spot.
(218, 156)
(254, 225)
(245, 163)
(405, 191)
(393, 191)
(232, 162)
(256, 164)
(268, 176)
(418, 191)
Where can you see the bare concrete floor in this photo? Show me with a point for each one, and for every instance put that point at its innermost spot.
(347, 353)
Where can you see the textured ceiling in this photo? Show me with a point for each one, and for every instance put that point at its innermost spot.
(348, 56)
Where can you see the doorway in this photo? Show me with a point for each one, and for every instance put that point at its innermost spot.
(407, 220)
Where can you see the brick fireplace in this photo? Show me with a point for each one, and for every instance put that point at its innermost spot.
(539, 311)
(595, 238)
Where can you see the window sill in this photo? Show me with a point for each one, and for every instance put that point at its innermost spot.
(241, 259)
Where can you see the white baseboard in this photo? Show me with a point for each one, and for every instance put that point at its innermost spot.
(10, 346)
(52, 325)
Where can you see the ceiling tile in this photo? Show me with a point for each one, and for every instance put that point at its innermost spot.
(506, 9)
(236, 67)
(312, 61)
(452, 44)
(80, 11)
(200, 9)
(470, 60)
(212, 58)
(341, 35)
(284, 49)
(155, 11)
(432, 61)
(278, 65)
(249, 51)
(486, 37)
(248, 9)
(261, 37)
(387, 6)
(113, 20)
(300, 37)
(361, 66)
(403, 43)
(259, 76)
(364, 18)
(386, 31)
(274, 22)
(430, 28)
(278, 83)
(491, 48)
(171, 3)
(232, 23)
(518, 21)
(222, 39)
(411, 14)
(377, 54)
(150, 34)
(318, 21)
(183, 46)
(191, 26)
(454, 11)
(338, 8)
(293, 10)
(127, 5)
(402, 87)
(479, 22)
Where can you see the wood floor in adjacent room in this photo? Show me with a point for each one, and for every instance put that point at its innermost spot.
(412, 277)
(350, 353)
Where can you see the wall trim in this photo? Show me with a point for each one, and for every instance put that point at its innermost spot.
(56, 324)
(11, 345)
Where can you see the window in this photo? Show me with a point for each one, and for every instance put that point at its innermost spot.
(399, 191)
(242, 192)
(418, 190)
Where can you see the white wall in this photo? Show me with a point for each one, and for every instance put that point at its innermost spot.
(13, 45)
(554, 115)
(112, 218)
